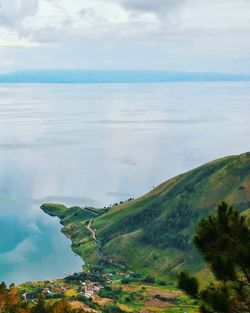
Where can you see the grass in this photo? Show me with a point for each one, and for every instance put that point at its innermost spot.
(174, 208)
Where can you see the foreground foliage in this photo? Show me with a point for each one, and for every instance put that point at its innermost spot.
(10, 302)
(224, 242)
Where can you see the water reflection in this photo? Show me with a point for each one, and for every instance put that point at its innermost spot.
(96, 145)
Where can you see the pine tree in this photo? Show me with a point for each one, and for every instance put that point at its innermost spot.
(40, 307)
(224, 242)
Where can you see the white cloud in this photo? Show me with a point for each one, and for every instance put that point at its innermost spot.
(12, 12)
(11, 38)
(158, 7)
(182, 28)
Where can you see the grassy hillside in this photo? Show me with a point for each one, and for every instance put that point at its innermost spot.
(153, 234)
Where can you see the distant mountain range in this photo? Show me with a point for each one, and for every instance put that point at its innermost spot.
(97, 76)
(153, 234)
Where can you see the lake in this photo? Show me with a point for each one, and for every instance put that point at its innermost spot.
(98, 144)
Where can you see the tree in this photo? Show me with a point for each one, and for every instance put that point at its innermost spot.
(13, 295)
(40, 307)
(224, 242)
(61, 306)
(9, 298)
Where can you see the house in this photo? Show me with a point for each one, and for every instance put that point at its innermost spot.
(88, 294)
(47, 291)
(24, 296)
(90, 288)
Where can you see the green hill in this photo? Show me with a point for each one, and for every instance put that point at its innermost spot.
(153, 234)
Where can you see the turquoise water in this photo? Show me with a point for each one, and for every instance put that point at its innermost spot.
(96, 145)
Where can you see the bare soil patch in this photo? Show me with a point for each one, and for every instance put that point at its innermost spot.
(80, 305)
(155, 303)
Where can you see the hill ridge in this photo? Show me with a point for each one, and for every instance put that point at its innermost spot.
(153, 234)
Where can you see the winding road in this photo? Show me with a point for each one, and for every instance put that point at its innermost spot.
(92, 230)
(102, 255)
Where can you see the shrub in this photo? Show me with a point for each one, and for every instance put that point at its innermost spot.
(149, 280)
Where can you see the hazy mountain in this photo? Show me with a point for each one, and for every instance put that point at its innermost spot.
(89, 77)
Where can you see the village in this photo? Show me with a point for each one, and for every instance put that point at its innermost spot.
(98, 291)
(71, 287)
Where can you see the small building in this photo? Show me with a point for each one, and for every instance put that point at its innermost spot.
(88, 294)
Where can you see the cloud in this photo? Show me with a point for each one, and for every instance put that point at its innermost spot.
(12, 12)
(48, 34)
(162, 34)
(158, 7)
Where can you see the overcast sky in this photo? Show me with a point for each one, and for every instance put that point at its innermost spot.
(193, 35)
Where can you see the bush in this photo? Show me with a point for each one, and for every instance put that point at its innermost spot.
(127, 280)
(112, 309)
(162, 283)
(108, 292)
(149, 280)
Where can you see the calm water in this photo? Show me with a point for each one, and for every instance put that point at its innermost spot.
(98, 144)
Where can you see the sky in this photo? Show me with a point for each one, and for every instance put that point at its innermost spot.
(185, 35)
